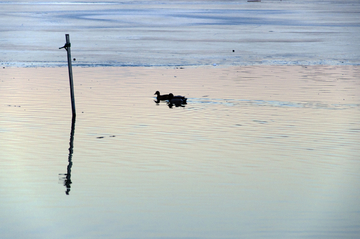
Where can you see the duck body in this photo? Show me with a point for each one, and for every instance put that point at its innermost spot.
(177, 100)
(161, 97)
(177, 97)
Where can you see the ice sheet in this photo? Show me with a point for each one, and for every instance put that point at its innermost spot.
(174, 33)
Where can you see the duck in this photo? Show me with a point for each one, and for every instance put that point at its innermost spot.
(161, 97)
(177, 100)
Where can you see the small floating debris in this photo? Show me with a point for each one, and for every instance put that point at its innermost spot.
(254, 0)
(112, 136)
(100, 137)
(260, 121)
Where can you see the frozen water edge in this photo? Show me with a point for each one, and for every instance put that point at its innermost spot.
(120, 64)
(265, 63)
(180, 33)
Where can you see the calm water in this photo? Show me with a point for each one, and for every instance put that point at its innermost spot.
(261, 150)
(258, 152)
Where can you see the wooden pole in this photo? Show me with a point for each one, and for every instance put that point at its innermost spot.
(67, 47)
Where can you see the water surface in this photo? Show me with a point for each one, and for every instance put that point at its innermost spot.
(258, 152)
(261, 150)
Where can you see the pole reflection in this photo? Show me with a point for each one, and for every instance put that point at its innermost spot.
(67, 176)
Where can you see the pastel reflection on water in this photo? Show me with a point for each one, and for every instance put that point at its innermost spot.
(257, 151)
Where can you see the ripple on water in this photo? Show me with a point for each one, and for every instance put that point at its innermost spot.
(230, 155)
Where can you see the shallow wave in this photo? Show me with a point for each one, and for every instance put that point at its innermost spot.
(122, 64)
(271, 103)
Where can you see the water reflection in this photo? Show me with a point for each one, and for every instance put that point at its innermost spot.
(257, 151)
(172, 103)
(67, 176)
(176, 104)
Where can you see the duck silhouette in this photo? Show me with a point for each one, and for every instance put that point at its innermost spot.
(167, 97)
(177, 100)
(161, 97)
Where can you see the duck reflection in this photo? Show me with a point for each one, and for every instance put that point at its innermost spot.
(67, 176)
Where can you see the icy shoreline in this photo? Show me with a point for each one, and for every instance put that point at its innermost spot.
(118, 64)
(180, 33)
